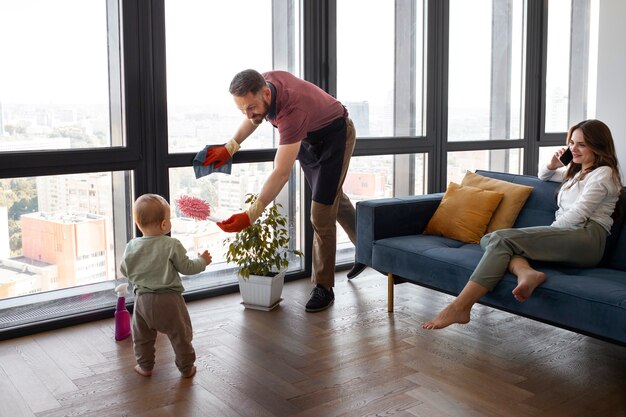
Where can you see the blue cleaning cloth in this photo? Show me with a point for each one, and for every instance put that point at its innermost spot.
(202, 170)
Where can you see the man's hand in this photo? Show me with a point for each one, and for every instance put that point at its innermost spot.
(221, 154)
(235, 223)
(217, 154)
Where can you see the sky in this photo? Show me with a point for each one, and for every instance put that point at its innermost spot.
(53, 51)
(208, 45)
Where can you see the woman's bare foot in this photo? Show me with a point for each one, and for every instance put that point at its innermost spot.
(449, 315)
(526, 284)
(191, 372)
(142, 372)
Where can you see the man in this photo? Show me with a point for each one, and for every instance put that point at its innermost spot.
(314, 128)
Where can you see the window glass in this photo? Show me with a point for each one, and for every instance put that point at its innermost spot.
(59, 78)
(205, 49)
(557, 72)
(571, 70)
(372, 177)
(226, 196)
(545, 154)
(57, 232)
(420, 186)
(501, 160)
(383, 95)
(486, 75)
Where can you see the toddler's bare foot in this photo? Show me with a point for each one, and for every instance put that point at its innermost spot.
(191, 372)
(142, 372)
(526, 284)
(449, 315)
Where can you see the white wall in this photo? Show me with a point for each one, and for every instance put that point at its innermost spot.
(611, 99)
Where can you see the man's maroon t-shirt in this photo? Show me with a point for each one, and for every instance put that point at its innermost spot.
(301, 107)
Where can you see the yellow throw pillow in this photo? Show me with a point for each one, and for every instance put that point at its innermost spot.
(513, 199)
(463, 213)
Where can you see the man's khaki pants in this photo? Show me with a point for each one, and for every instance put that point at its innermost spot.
(324, 219)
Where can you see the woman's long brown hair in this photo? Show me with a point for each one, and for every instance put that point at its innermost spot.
(599, 140)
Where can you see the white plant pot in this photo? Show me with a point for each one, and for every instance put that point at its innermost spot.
(261, 293)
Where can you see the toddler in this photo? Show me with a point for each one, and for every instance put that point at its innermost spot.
(152, 264)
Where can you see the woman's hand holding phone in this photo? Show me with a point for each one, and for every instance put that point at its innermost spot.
(556, 162)
(566, 157)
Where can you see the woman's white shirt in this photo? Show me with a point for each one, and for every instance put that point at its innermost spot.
(592, 198)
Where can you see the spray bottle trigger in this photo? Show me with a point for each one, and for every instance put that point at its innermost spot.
(121, 290)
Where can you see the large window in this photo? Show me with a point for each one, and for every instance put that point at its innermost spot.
(486, 75)
(380, 61)
(486, 80)
(571, 71)
(381, 81)
(58, 231)
(55, 85)
(66, 175)
(66, 231)
(365, 64)
(207, 44)
(201, 111)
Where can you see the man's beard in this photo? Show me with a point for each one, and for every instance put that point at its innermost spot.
(257, 119)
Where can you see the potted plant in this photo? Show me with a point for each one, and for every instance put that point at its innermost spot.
(261, 251)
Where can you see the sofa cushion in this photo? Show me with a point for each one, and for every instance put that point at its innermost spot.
(463, 213)
(513, 198)
(540, 207)
(434, 261)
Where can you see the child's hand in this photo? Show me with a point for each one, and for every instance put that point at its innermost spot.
(206, 256)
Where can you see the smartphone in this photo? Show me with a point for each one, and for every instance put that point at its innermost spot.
(566, 158)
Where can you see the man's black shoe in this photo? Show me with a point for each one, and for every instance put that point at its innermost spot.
(321, 299)
(357, 268)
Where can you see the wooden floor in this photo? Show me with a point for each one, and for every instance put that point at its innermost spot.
(354, 359)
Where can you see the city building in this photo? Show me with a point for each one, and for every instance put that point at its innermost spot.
(21, 276)
(75, 243)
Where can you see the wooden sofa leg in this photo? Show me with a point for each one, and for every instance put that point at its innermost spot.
(390, 292)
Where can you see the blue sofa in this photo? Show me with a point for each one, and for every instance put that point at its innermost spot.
(590, 301)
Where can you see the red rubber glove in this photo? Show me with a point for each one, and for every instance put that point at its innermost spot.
(235, 223)
(217, 154)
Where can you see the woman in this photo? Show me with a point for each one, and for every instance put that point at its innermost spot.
(587, 199)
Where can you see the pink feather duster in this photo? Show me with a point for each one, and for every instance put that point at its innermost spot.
(194, 207)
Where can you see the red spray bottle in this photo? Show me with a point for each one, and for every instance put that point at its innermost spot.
(122, 316)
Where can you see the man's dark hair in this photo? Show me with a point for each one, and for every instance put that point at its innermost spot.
(247, 81)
